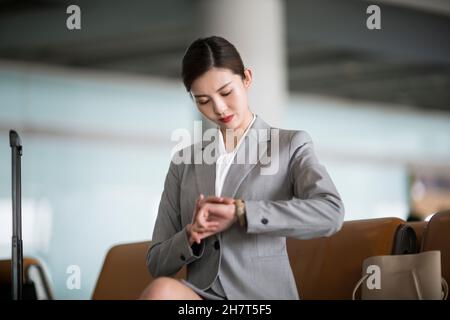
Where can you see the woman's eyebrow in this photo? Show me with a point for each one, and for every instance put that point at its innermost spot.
(204, 95)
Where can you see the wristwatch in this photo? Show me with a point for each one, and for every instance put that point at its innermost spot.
(240, 212)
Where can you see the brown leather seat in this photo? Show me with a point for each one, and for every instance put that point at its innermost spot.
(34, 276)
(324, 268)
(124, 274)
(418, 227)
(436, 236)
(329, 268)
(5, 269)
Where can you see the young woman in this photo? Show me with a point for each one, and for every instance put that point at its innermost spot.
(227, 220)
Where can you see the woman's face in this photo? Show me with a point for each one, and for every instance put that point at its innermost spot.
(222, 97)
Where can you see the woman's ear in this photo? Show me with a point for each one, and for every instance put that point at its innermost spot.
(247, 77)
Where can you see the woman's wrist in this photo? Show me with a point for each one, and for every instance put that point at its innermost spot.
(240, 212)
(189, 234)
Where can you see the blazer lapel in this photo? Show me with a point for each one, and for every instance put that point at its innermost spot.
(251, 150)
(205, 173)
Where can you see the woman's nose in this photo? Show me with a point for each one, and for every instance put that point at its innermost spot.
(219, 106)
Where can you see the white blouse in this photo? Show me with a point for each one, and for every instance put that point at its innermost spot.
(225, 159)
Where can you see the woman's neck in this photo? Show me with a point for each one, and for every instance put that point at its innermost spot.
(237, 133)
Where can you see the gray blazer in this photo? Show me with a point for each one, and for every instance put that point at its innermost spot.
(299, 200)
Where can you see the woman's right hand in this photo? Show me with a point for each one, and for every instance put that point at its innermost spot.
(201, 227)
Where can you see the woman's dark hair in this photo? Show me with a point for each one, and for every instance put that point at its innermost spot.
(206, 53)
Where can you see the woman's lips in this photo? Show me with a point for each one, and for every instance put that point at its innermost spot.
(226, 119)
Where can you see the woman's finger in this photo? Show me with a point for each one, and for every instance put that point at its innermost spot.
(212, 228)
(227, 200)
(207, 227)
(200, 223)
(214, 199)
(197, 207)
(218, 200)
(196, 238)
(199, 202)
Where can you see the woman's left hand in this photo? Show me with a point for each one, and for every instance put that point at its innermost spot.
(221, 213)
(217, 211)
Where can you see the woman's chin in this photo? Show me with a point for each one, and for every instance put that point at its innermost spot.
(228, 126)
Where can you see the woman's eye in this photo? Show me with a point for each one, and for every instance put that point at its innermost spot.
(226, 93)
(202, 102)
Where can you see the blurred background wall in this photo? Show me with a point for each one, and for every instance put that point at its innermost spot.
(96, 109)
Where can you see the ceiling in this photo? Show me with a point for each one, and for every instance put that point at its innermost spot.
(330, 51)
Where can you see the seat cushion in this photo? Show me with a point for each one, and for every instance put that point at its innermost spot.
(436, 236)
(329, 268)
(124, 274)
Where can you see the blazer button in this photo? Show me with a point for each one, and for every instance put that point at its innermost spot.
(182, 257)
(217, 245)
(264, 221)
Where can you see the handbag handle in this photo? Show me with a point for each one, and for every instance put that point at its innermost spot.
(444, 289)
(443, 283)
(355, 289)
(416, 285)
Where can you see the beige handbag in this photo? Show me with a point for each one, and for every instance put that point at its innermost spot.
(403, 277)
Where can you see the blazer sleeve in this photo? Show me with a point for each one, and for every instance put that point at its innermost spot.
(316, 208)
(170, 249)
